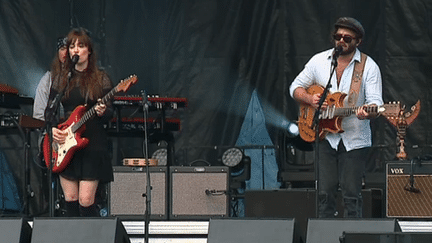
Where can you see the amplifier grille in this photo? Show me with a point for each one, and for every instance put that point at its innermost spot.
(128, 187)
(404, 203)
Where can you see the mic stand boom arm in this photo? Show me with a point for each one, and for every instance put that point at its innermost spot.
(315, 125)
(325, 92)
(147, 164)
(50, 116)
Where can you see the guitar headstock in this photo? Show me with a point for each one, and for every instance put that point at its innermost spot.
(125, 84)
(403, 117)
(392, 109)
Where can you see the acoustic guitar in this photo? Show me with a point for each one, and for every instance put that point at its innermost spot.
(330, 119)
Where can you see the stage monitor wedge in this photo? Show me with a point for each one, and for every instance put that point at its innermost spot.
(14, 230)
(330, 230)
(251, 231)
(83, 230)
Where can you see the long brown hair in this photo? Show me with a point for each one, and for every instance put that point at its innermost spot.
(91, 82)
(56, 65)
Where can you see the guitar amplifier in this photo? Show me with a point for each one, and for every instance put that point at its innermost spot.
(126, 192)
(199, 192)
(409, 189)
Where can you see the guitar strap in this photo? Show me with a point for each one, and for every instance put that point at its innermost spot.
(356, 80)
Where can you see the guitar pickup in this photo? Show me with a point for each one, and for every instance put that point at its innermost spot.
(328, 113)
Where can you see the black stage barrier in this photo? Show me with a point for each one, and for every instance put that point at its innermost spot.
(300, 204)
(330, 230)
(83, 230)
(14, 230)
(251, 231)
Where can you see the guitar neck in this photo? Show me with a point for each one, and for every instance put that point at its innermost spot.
(92, 111)
(332, 112)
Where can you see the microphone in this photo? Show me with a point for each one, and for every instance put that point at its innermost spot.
(336, 54)
(338, 51)
(411, 188)
(74, 59)
(215, 192)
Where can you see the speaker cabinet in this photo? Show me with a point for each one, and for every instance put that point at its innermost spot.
(126, 194)
(199, 192)
(300, 204)
(14, 231)
(409, 190)
(330, 230)
(83, 230)
(250, 230)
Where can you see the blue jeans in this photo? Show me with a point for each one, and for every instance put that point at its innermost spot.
(340, 169)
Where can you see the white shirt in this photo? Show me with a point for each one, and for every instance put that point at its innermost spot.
(41, 97)
(357, 133)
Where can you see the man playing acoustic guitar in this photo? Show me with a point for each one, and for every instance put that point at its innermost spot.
(342, 153)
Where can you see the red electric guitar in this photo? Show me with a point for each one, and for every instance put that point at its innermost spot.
(75, 125)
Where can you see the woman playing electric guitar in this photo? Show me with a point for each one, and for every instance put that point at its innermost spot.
(91, 165)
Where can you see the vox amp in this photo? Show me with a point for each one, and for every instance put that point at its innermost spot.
(409, 189)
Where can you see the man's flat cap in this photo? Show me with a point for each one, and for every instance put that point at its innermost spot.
(352, 24)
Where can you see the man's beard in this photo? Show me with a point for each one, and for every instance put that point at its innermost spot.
(350, 50)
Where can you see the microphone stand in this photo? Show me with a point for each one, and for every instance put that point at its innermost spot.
(411, 187)
(316, 125)
(147, 194)
(51, 114)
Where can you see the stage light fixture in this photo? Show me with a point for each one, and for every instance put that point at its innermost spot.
(291, 128)
(161, 155)
(239, 166)
(232, 157)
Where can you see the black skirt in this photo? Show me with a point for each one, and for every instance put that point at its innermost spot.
(90, 165)
(94, 161)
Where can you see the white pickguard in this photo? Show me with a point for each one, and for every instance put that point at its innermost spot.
(62, 149)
